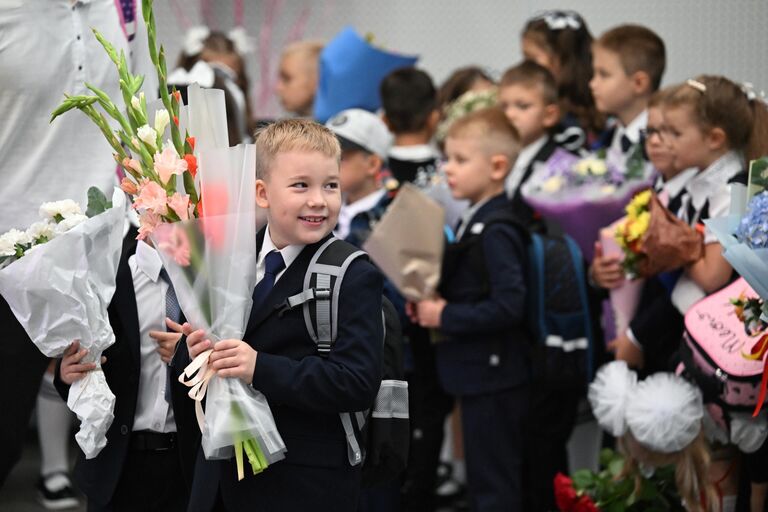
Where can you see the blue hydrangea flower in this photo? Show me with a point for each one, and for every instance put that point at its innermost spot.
(753, 228)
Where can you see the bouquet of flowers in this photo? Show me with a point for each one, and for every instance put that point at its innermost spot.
(583, 195)
(59, 288)
(203, 226)
(744, 234)
(617, 489)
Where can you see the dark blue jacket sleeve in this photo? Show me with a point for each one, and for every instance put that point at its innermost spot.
(349, 378)
(504, 308)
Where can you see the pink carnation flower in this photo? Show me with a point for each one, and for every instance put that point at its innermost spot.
(152, 197)
(168, 163)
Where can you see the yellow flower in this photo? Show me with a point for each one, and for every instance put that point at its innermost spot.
(583, 166)
(598, 167)
(608, 189)
(553, 184)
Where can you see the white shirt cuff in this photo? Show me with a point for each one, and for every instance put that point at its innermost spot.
(632, 338)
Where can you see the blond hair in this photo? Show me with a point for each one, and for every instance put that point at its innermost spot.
(691, 470)
(639, 49)
(718, 102)
(293, 135)
(310, 49)
(492, 128)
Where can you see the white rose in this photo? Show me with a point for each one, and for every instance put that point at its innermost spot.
(148, 135)
(161, 120)
(42, 229)
(598, 168)
(65, 208)
(553, 184)
(70, 222)
(9, 240)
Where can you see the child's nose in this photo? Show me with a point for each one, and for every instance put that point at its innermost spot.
(315, 198)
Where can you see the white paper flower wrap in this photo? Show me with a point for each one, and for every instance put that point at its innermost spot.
(665, 412)
(608, 395)
(59, 291)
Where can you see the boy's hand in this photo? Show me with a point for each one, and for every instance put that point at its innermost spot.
(627, 351)
(429, 312)
(606, 271)
(197, 341)
(234, 358)
(166, 341)
(411, 311)
(72, 369)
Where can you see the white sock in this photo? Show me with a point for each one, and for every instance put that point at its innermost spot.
(54, 420)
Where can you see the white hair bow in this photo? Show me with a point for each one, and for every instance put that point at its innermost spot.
(194, 39)
(751, 94)
(242, 41)
(560, 20)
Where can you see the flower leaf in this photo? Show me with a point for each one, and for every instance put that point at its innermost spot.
(97, 202)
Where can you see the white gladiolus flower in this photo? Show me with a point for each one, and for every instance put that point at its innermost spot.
(42, 229)
(147, 134)
(161, 120)
(70, 222)
(135, 103)
(65, 208)
(9, 240)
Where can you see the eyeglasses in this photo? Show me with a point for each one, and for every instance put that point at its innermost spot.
(647, 133)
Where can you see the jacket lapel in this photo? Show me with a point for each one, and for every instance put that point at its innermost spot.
(124, 301)
(290, 283)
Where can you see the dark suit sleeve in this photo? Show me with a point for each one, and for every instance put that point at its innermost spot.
(349, 378)
(504, 307)
(653, 323)
(61, 387)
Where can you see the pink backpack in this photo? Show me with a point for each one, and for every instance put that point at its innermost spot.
(714, 348)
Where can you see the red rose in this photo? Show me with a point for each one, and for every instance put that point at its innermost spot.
(585, 504)
(565, 494)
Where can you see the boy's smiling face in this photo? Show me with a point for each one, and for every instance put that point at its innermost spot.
(302, 195)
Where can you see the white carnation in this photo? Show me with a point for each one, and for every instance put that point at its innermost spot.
(42, 229)
(65, 208)
(9, 240)
(70, 222)
(147, 134)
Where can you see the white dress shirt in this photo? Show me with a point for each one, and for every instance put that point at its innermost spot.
(524, 159)
(289, 254)
(47, 49)
(152, 411)
(348, 211)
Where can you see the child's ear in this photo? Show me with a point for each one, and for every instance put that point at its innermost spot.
(375, 163)
(432, 121)
(386, 121)
(551, 115)
(641, 83)
(500, 165)
(261, 194)
(715, 138)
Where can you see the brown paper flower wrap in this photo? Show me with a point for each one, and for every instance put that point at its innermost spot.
(669, 243)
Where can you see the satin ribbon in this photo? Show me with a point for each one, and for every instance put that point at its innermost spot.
(197, 375)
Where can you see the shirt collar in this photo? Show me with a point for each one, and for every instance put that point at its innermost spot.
(675, 185)
(529, 152)
(632, 130)
(148, 260)
(713, 177)
(413, 153)
(289, 252)
(365, 203)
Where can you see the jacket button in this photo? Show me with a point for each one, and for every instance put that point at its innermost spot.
(124, 429)
(494, 360)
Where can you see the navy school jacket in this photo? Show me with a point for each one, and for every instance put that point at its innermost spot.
(485, 344)
(306, 394)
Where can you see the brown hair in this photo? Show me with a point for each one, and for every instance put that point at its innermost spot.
(530, 74)
(660, 97)
(716, 101)
(293, 135)
(310, 49)
(639, 49)
(691, 470)
(573, 49)
(460, 81)
(492, 127)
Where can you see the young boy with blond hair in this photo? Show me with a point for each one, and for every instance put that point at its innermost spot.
(628, 63)
(298, 184)
(483, 356)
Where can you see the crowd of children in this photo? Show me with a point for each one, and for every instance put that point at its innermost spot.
(468, 349)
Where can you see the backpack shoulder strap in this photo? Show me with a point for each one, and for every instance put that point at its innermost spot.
(319, 297)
